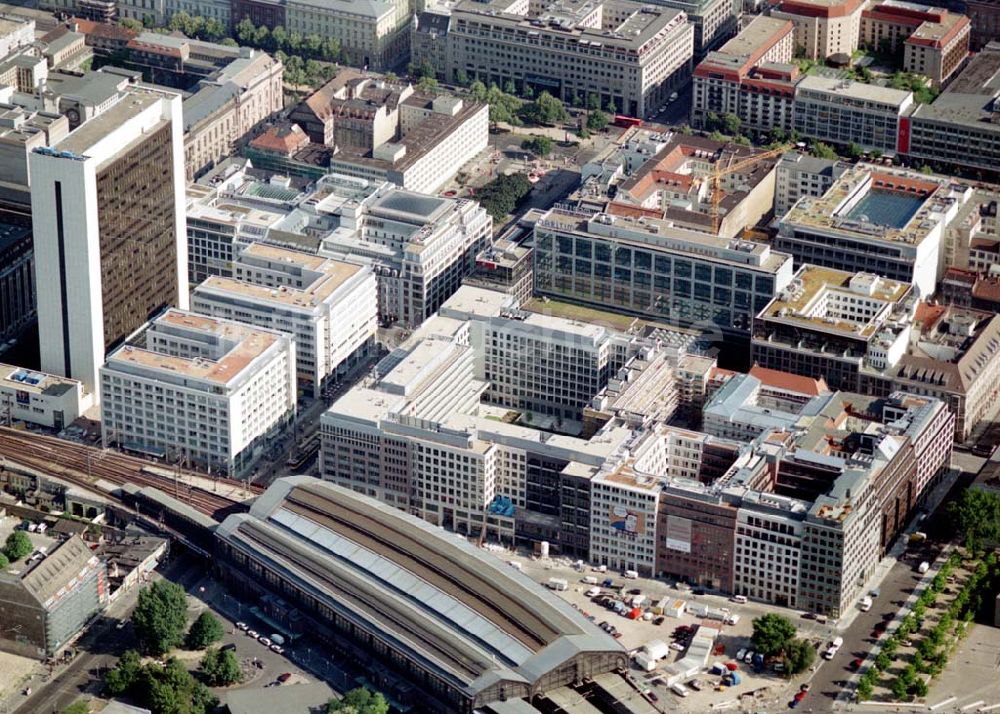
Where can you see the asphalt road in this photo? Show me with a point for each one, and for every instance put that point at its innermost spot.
(832, 677)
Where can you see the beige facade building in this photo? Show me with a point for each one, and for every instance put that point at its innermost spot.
(373, 34)
(935, 42)
(823, 27)
(625, 53)
(227, 106)
(750, 76)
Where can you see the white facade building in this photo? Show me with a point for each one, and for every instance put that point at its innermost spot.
(329, 307)
(624, 506)
(109, 230)
(419, 246)
(206, 391)
(39, 398)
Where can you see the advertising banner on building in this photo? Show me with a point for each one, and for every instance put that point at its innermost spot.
(679, 534)
(627, 522)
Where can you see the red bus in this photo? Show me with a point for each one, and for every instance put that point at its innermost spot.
(626, 121)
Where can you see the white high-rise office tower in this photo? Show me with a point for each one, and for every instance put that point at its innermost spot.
(109, 229)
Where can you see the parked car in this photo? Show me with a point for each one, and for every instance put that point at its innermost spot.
(278, 649)
(856, 663)
(741, 654)
(241, 625)
(659, 620)
(265, 641)
(749, 656)
(284, 677)
(677, 646)
(230, 646)
(698, 591)
(253, 633)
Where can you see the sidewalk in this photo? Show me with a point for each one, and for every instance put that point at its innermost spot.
(933, 501)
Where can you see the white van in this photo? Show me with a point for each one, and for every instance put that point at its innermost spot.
(589, 580)
(593, 592)
(630, 574)
(865, 604)
(833, 648)
(741, 599)
(679, 689)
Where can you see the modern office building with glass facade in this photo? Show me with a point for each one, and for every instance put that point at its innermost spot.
(649, 267)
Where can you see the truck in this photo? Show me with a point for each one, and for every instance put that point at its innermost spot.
(557, 584)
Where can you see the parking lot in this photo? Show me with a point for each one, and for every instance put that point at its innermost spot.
(764, 691)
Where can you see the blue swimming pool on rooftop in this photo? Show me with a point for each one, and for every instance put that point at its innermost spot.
(887, 208)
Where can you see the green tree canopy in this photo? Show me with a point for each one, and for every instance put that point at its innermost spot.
(17, 546)
(4, 562)
(123, 676)
(538, 145)
(799, 656)
(597, 120)
(163, 689)
(503, 106)
(822, 151)
(160, 616)
(359, 701)
(546, 109)
(204, 631)
(502, 195)
(977, 518)
(771, 633)
(428, 85)
(221, 668)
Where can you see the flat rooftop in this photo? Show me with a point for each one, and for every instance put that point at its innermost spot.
(663, 234)
(870, 203)
(888, 98)
(34, 382)
(249, 343)
(83, 138)
(564, 19)
(811, 280)
(330, 275)
(759, 36)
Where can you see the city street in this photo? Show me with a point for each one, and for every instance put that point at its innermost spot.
(832, 684)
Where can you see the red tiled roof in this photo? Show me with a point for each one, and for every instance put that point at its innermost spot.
(281, 139)
(928, 314)
(789, 382)
(987, 289)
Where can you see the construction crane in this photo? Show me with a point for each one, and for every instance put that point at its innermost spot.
(715, 179)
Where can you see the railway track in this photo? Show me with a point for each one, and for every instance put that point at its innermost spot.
(86, 465)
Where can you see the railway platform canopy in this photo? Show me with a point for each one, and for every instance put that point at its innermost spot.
(462, 625)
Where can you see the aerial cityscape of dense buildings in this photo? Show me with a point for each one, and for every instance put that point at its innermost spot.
(392, 343)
